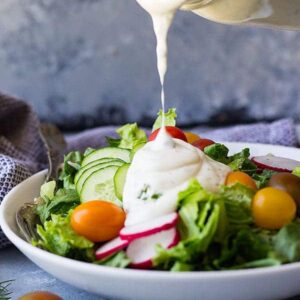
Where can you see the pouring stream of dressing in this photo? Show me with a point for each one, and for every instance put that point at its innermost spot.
(164, 167)
(162, 15)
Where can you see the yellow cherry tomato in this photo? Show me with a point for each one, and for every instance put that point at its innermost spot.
(40, 295)
(98, 221)
(242, 178)
(191, 137)
(273, 208)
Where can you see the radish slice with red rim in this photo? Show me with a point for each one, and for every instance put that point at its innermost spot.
(275, 163)
(144, 229)
(111, 248)
(142, 251)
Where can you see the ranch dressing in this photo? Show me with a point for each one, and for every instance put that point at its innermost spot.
(158, 174)
(164, 167)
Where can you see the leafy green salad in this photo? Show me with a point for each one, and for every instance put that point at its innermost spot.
(251, 221)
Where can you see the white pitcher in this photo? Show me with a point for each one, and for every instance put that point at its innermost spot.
(275, 13)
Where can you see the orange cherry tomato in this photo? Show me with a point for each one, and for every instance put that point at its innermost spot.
(273, 208)
(173, 131)
(202, 143)
(98, 221)
(242, 178)
(40, 295)
(191, 137)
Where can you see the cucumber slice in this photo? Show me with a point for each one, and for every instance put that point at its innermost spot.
(108, 152)
(85, 174)
(100, 186)
(119, 180)
(94, 163)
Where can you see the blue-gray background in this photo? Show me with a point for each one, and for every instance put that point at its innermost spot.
(83, 63)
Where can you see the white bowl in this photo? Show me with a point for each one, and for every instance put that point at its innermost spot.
(265, 283)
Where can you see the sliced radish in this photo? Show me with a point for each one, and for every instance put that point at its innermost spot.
(110, 248)
(275, 163)
(143, 250)
(144, 229)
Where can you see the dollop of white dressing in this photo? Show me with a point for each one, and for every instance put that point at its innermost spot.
(158, 174)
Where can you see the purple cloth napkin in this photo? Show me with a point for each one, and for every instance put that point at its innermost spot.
(22, 152)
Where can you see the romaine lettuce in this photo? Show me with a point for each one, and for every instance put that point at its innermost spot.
(118, 260)
(200, 214)
(130, 136)
(57, 236)
(287, 242)
(170, 118)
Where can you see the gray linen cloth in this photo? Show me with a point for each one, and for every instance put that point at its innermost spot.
(22, 152)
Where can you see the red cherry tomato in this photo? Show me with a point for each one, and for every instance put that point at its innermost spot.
(202, 143)
(173, 131)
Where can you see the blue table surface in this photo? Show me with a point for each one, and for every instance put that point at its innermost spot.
(28, 277)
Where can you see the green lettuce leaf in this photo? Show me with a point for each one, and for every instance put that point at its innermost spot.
(297, 171)
(48, 189)
(263, 178)
(72, 163)
(130, 136)
(60, 203)
(200, 214)
(245, 248)
(237, 162)
(237, 199)
(118, 260)
(170, 118)
(287, 242)
(241, 162)
(218, 152)
(58, 237)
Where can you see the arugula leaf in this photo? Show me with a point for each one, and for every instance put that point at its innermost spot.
(297, 171)
(57, 236)
(218, 152)
(287, 242)
(72, 163)
(63, 201)
(130, 136)
(170, 118)
(237, 162)
(118, 260)
(263, 178)
(241, 162)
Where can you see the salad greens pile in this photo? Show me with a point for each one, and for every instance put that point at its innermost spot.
(217, 230)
